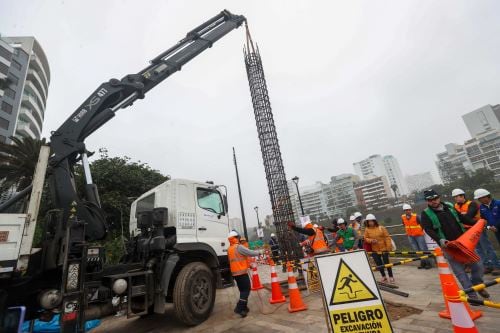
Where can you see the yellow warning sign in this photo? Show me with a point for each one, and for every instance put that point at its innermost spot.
(361, 319)
(348, 287)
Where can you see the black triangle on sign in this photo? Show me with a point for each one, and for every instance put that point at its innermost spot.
(371, 296)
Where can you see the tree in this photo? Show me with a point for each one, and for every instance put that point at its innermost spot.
(18, 161)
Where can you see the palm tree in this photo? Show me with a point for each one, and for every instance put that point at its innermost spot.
(394, 188)
(18, 161)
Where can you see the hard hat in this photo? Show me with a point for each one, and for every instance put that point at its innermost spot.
(481, 192)
(233, 233)
(340, 221)
(406, 206)
(370, 217)
(456, 192)
(315, 225)
(305, 220)
(430, 194)
(357, 214)
(351, 218)
(273, 235)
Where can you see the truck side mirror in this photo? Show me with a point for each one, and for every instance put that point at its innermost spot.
(224, 197)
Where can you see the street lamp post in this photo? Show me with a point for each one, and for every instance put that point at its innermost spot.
(296, 181)
(258, 221)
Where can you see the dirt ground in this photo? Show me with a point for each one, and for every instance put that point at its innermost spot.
(397, 310)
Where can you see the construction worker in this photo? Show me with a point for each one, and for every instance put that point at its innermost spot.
(356, 224)
(315, 242)
(380, 240)
(443, 223)
(275, 247)
(348, 235)
(484, 247)
(415, 233)
(238, 263)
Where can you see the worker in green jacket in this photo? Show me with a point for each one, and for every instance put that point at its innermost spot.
(349, 236)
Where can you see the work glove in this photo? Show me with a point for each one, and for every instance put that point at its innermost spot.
(443, 242)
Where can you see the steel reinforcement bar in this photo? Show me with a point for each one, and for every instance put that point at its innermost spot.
(402, 262)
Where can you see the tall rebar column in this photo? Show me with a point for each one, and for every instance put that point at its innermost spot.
(271, 154)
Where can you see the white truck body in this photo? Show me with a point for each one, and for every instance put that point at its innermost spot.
(195, 209)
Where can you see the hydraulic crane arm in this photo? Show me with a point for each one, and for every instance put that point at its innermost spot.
(67, 143)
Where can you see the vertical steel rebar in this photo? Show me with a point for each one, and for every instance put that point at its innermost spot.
(271, 154)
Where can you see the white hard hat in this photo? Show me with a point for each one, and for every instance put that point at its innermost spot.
(273, 235)
(357, 214)
(315, 225)
(406, 206)
(305, 220)
(480, 192)
(340, 221)
(370, 217)
(351, 218)
(233, 233)
(456, 192)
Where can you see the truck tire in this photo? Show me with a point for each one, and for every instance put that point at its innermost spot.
(194, 293)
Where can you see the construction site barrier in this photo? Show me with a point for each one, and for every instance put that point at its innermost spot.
(479, 287)
(402, 262)
(480, 302)
(391, 253)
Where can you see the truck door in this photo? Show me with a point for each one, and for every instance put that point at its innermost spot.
(211, 220)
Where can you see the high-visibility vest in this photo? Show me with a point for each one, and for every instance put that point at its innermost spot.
(237, 262)
(411, 225)
(317, 241)
(464, 208)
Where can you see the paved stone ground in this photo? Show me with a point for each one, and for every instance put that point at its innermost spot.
(422, 285)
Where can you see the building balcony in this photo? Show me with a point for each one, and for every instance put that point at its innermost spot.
(31, 117)
(33, 90)
(31, 103)
(24, 129)
(39, 83)
(39, 68)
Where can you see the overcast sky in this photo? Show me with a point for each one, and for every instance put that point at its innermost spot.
(347, 79)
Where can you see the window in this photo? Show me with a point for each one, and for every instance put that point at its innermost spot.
(4, 123)
(4, 53)
(11, 93)
(210, 200)
(13, 79)
(4, 69)
(145, 204)
(3, 139)
(16, 65)
(6, 107)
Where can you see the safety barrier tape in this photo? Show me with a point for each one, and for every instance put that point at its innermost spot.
(480, 302)
(402, 262)
(479, 287)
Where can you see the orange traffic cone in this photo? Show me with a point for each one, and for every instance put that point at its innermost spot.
(462, 248)
(276, 294)
(256, 285)
(446, 276)
(296, 303)
(460, 318)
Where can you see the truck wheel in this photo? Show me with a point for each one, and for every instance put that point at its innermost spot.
(194, 293)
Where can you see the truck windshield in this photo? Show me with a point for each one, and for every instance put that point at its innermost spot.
(210, 200)
(146, 204)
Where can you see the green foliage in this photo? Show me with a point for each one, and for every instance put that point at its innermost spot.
(18, 161)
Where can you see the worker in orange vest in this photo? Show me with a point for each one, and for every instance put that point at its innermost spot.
(415, 233)
(238, 263)
(484, 247)
(315, 242)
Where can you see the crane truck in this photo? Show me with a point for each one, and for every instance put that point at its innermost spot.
(177, 246)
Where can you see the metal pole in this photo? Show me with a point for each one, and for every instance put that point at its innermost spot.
(296, 182)
(258, 221)
(239, 192)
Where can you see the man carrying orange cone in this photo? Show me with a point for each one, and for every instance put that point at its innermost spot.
(444, 224)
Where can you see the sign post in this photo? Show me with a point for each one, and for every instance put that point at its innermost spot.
(350, 294)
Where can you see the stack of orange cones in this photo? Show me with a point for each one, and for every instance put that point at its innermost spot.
(296, 303)
(276, 294)
(460, 318)
(462, 249)
(446, 277)
(256, 285)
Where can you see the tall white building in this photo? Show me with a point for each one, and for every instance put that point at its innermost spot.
(387, 166)
(419, 181)
(24, 94)
(482, 120)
